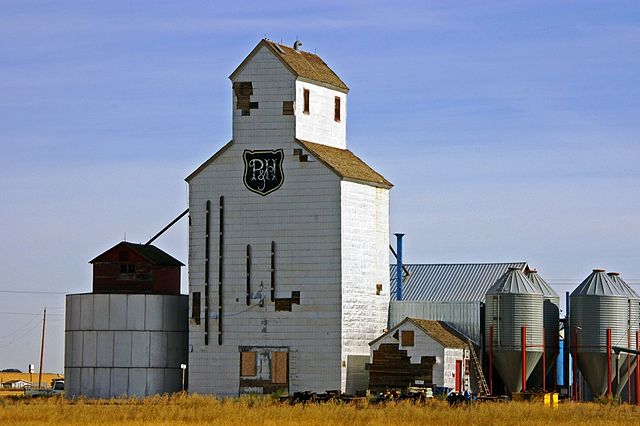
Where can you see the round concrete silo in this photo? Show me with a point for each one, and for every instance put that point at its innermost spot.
(551, 322)
(632, 327)
(597, 305)
(514, 304)
(124, 344)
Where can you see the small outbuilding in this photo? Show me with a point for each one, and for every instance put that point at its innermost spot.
(136, 268)
(15, 384)
(419, 352)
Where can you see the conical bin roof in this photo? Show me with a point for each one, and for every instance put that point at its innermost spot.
(598, 283)
(513, 281)
(540, 284)
(626, 289)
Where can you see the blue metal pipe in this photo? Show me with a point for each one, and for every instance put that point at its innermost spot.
(399, 266)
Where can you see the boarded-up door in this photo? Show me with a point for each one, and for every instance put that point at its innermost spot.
(458, 375)
(279, 367)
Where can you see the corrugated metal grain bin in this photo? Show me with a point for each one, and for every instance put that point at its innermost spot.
(511, 304)
(632, 327)
(551, 319)
(597, 304)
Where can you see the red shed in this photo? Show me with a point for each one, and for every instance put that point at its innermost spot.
(136, 268)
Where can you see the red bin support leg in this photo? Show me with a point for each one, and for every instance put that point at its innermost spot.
(575, 364)
(491, 359)
(637, 369)
(523, 338)
(544, 361)
(609, 369)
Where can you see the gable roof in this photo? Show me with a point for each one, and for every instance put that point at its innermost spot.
(152, 253)
(300, 63)
(456, 282)
(345, 164)
(439, 331)
(209, 161)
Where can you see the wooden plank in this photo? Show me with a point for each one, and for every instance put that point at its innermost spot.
(248, 364)
(279, 367)
(407, 337)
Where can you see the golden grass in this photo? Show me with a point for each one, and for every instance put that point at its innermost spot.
(183, 409)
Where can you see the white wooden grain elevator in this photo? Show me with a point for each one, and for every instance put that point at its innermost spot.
(288, 238)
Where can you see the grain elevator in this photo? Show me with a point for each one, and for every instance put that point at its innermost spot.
(288, 238)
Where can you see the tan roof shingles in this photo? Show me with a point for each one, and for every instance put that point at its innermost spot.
(302, 64)
(440, 332)
(344, 163)
(307, 65)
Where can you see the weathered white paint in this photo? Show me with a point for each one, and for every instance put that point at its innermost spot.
(365, 262)
(331, 245)
(319, 125)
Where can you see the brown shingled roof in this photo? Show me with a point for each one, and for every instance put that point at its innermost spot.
(345, 164)
(303, 64)
(439, 331)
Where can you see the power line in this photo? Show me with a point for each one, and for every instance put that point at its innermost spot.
(19, 328)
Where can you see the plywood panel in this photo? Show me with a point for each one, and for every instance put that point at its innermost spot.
(407, 337)
(280, 370)
(248, 364)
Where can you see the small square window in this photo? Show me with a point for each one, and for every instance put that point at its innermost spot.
(131, 268)
(407, 337)
(123, 268)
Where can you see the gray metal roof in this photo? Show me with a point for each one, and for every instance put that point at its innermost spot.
(626, 289)
(514, 281)
(460, 282)
(598, 283)
(540, 284)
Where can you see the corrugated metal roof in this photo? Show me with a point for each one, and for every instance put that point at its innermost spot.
(598, 283)
(514, 281)
(460, 282)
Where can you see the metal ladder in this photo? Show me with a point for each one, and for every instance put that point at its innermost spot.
(484, 388)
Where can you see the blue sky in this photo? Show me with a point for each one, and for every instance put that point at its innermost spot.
(510, 130)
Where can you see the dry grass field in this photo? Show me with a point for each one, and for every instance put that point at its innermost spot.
(194, 410)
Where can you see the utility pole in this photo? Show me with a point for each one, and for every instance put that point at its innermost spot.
(44, 322)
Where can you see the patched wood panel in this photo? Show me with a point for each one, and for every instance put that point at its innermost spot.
(392, 368)
(279, 365)
(248, 364)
